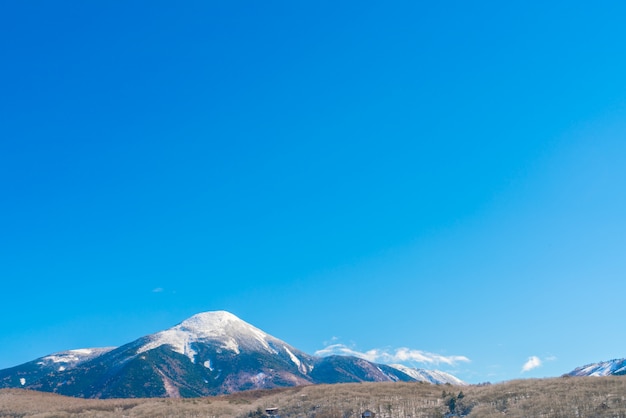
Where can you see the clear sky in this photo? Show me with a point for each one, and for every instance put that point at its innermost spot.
(442, 183)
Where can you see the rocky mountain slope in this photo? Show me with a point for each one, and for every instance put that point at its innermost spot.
(210, 353)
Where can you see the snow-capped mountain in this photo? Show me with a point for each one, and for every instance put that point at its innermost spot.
(210, 353)
(225, 331)
(431, 376)
(615, 367)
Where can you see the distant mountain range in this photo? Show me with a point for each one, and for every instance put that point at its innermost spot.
(615, 367)
(208, 354)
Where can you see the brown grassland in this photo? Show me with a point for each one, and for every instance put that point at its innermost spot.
(555, 397)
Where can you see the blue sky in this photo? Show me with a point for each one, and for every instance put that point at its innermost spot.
(442, 184)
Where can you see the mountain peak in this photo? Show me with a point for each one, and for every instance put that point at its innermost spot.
(212, 320)
(220, 327)
(224, 326)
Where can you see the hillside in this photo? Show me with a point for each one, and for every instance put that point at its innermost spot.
(556, 397)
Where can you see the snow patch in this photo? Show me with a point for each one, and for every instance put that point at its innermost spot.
(75, 356)
(259, 378)
(208, 365)
(293, 358)
(231, 345)
(61, 358)
(301, 367)
(177, 339)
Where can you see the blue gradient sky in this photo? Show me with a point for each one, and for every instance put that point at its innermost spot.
(447, 178)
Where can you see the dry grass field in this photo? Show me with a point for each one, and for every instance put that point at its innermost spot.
(558, 397)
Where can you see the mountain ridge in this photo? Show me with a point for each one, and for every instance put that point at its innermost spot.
(210, 353)
(615, 367)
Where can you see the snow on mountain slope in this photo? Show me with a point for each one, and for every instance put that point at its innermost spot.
(72, 358)
(221, 328)
(430, 376)
(301, 366)
(603, 368)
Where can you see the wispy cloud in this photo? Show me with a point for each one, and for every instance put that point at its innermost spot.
(532, 363)
(398, 355)
(157, 290)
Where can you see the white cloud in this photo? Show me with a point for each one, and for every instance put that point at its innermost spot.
(157, 290)
(332, 341)
(388, 356)
(532, 363)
